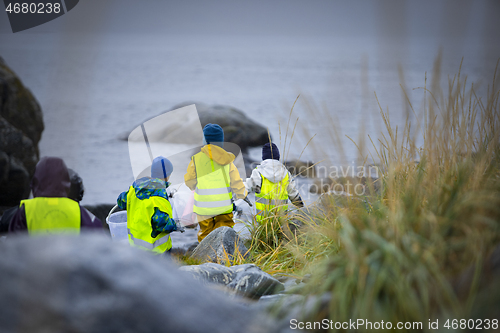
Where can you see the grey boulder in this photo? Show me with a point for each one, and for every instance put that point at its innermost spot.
(221, 245)
(210, 272)
(301, 168)
(288, 309)
(247, 280)
(238, 128)
(253, 282)
(14, 178)
(21, 126)
(89, 284)
(101, 211)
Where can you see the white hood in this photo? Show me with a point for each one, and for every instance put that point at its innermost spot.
(273, 170)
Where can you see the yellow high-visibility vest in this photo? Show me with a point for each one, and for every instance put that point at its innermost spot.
(139, 213)
(52, 215)
(271, 195)
(212, 195)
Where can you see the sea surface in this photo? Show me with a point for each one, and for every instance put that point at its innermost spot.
(94, 88)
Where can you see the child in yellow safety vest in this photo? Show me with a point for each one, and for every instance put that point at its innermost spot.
(149, 212)
(214, 178)
(272, 183)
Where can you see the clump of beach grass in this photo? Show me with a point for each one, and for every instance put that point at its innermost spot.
(394, 255)
(269, 237)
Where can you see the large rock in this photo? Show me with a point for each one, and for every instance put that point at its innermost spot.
(248, 280)
(291, 309)
(14, 178)
(101, 211)
(250, 164)
(253, 282)
(220, 245)
(238, 128)
(304, 169)
(89, 284)
(211, 272)
(347, 185)
(21, 126)
(301, 168)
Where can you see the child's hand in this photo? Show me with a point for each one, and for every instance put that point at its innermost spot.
(179, 226)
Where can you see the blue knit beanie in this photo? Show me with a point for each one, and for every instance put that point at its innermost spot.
(213, 133)
(161, 168)
(267, 154)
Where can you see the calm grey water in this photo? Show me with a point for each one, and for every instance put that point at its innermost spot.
(92, 88)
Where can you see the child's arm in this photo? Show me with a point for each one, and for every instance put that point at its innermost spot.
(162, 222)
(254, 183)
(293, 192)
(122, 200)
(236, 183)
(190, 177)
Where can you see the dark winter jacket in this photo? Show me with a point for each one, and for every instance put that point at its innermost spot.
(51, 180)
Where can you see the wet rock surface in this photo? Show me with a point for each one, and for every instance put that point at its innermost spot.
(247, 280)
(6, 216)
(301, 168)
(210, 272)
(250, 164)
(220, 245)
(183, 244)
(101, 211)
(21, 126)
(295, 308)
(89, 284)
(253, 282)
(348, 185)
(238, 128)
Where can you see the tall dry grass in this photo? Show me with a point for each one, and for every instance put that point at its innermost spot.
(395, 255)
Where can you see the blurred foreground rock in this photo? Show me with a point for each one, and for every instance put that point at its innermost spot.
(248, 280)
(291, 309)
(89, 284)
(220, 245)
(21, 126)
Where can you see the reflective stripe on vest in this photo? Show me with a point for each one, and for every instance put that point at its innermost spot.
(212, 191)
(139, 214)
(52, 215)
(212, 195)
(149, 246)
(268, 204)
(271, 195)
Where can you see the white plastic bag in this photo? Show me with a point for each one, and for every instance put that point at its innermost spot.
(182, 207)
